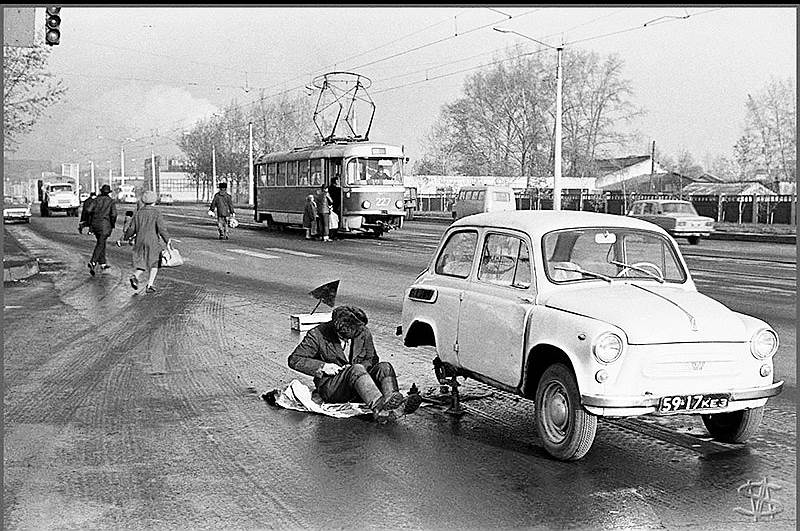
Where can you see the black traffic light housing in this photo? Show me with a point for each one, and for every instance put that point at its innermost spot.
(52, 33)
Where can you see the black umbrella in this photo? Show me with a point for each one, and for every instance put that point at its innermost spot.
(325, 293)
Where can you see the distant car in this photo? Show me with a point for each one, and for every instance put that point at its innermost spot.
(128, 197)
(679, 218)
(165, 198)
(16, 208)
(588, 315)
(59, 197)
(84, 196)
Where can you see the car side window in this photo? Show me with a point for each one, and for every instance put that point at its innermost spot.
(648, 208)
(505, 261)
(457, 255)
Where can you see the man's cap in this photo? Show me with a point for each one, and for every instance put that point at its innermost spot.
(222, 186)
(105, 189)
(149, 197)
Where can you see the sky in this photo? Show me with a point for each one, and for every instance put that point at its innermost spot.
(138, 76)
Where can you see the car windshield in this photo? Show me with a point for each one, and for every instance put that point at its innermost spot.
(61, 188)
(678, 208)
(603, 254)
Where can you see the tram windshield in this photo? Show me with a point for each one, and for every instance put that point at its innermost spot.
(387, 171)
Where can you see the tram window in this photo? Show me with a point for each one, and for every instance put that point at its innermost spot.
(271, 168)
(262, 174)
(316, 172)
(302, 174)
(291, 174)
(281, 176)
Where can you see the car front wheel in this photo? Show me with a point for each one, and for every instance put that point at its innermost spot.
(567, 430)
(734, 427)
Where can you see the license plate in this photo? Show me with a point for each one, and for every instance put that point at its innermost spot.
(670, 404)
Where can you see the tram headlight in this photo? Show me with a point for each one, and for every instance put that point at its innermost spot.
(365, 204)
(398, 204)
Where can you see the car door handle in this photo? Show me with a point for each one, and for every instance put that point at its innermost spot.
(526, 300)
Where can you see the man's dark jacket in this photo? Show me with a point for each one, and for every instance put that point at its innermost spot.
(321, 345)
(102, 214)
(223, 202)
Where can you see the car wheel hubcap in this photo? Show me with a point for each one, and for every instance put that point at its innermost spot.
(555, 412)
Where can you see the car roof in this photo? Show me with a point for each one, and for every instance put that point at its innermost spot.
(662, 201)
(543, 221)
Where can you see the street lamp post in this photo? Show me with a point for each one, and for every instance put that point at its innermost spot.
(557, 140)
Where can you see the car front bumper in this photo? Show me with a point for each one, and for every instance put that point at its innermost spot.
(641, 405)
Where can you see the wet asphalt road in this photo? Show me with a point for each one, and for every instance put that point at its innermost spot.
(143, 411)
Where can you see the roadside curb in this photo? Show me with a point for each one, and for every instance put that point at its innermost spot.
(19, 267)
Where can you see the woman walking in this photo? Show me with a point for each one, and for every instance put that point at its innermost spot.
(150, 230)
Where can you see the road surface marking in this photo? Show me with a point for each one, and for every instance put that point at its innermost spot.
(288, 251)
(12, 307)
(253, 253)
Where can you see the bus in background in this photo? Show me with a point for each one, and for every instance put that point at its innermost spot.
(370, 177)
(487, 198)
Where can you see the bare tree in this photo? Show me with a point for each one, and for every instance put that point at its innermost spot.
(28, 90)
(504, 124)
(772, 121)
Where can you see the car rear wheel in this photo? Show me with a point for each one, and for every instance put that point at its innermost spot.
(734, 427)
(567, 430)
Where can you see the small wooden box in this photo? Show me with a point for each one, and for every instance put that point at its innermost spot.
(304, 322)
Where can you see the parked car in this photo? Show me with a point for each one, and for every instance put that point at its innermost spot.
(16, 208)
(476, 199)
(679, 218)
(165, 198)
(587, 315)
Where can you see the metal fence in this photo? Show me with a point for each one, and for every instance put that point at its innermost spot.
(777, 209)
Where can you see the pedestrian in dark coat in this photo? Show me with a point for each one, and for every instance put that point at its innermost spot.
(324, 204)
(102, 213)
(84, 221)
(341, 356)
(310, 216)
(150, 230)
(222, 203)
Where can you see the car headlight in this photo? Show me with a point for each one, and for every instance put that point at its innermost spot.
(366, 204)
(607, 347)
(398, 204)
(5, 213)
(764, 343)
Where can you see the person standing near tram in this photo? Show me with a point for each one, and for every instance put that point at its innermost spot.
(324, 203)
(335, 191)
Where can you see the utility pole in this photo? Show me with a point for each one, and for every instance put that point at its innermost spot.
(122, 165)
(652, 164)
(250, 191)
(557, 168)
(93, 187)
(153, 167)
(557, 140)
(250, 173)
(213, 169)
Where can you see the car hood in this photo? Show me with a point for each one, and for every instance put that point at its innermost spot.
(650, 313)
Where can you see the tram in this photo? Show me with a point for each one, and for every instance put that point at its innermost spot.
(370, 177)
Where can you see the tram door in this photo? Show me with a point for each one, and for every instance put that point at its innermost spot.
(334, 169)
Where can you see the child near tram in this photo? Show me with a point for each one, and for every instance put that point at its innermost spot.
(310, 217)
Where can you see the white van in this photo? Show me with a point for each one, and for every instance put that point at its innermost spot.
(485, 198)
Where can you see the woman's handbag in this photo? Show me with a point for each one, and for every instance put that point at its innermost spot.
(171, 257)
(333, 222)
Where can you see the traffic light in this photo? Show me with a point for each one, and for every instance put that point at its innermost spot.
(51, 32)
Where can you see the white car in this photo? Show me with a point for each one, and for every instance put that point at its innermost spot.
(59, 197)
(588, 315)
(679, 218)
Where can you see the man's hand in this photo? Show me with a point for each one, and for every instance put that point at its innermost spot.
(330, 369)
